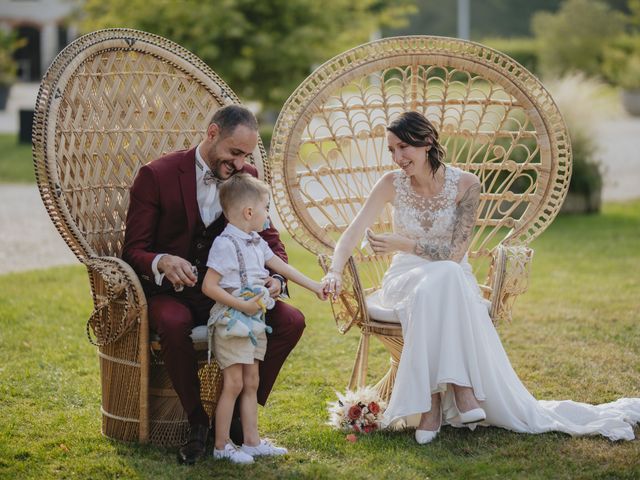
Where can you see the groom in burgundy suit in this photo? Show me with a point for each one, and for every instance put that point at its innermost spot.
(174, 216)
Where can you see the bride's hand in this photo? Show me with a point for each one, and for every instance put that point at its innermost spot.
(332, 283)
(389, 243)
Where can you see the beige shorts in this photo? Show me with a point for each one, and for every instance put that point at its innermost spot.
(231, 350)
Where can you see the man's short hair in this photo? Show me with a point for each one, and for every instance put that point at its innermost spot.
(241, 190)
(229, 117)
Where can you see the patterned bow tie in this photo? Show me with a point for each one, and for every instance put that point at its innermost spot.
(210, 178)
(254, 240)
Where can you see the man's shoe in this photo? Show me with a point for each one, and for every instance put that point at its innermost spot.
(235, 432)
(195, 447)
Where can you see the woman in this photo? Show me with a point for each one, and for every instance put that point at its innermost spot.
(453, 367)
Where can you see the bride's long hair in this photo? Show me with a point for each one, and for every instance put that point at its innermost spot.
(414, 129)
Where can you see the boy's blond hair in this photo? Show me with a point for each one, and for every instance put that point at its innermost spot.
(241, 190)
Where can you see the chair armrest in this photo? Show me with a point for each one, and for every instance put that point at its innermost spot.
(510, 268)
(349, 308)
(118, 298)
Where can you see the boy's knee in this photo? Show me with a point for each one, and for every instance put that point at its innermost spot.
(233, 384)
(251, 380)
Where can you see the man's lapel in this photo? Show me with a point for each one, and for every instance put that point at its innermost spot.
(188, 186)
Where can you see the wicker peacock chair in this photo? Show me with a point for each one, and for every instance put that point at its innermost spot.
(110, 102)
(495, 120)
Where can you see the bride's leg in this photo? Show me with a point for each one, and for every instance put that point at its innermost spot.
(431, 420)
(465, 399)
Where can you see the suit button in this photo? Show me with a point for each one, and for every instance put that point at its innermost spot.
(200, 245)
(197, 263)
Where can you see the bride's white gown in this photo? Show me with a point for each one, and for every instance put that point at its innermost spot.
(449, 337)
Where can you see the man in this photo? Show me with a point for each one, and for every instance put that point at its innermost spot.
(174, 216)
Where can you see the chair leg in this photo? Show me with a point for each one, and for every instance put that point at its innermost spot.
(385, 385)
(359, 373)
(144, 355)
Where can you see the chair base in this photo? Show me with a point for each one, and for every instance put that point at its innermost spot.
(168, 422)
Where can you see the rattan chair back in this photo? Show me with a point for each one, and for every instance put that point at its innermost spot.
(112, 101)
(495, 120)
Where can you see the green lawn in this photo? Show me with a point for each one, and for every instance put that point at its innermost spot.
(575, 335)
(16, 164)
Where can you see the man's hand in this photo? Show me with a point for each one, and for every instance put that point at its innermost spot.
(274, 286)
(177, 270)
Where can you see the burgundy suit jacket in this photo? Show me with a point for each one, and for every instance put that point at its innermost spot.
(163, 213)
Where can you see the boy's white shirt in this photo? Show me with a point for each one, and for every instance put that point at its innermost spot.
(224, 260)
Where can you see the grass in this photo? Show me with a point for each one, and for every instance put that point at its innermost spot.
(16, 165)
(574, 335)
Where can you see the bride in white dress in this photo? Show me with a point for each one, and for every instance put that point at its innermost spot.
(453, 368)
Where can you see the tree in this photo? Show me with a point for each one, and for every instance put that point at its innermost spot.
(262, 49)
(574, 38)
(634, 17)
(489, 18)
(9, 43)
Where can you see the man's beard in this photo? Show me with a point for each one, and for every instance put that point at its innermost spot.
(221, 166)
(217, 165)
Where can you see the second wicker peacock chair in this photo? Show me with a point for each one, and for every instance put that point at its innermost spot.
(495, 120)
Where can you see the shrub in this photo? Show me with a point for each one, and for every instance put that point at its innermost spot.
(621, 64)
(9, 43)
(582, 104)
(574, 38)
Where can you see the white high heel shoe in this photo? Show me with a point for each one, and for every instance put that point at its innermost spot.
(473, 416)
(426, 436)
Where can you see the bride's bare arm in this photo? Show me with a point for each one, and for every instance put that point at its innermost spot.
(465, 217)
(381, 194)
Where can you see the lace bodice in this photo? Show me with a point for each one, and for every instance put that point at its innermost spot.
(441, 228)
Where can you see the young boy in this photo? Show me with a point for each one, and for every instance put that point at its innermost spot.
(236, 261)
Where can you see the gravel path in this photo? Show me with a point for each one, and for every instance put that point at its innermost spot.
(619, 144)
(28, 239)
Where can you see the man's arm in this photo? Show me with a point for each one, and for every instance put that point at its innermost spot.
(142, 220)
(141, 227)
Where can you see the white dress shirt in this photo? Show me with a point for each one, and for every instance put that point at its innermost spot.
(208, 197)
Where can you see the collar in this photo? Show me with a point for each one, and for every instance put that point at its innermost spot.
(201, 165)
(236, 232)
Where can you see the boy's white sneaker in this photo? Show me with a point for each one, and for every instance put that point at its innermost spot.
(232, 453)
(264, 448)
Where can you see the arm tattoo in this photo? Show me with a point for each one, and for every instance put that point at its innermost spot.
(465, 218)
(432, 252)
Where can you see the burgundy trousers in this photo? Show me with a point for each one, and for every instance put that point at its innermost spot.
(173, 316)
